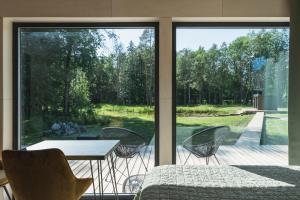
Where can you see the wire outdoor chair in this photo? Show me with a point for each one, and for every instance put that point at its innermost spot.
(206, 143)
(131, 144)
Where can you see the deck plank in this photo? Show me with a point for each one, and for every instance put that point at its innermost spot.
(227, 155)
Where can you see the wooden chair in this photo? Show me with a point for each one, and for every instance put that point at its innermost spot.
(43, 174)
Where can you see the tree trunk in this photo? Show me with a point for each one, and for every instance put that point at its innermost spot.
(67, 81)
(200, 98)
(222, 97)
(215, 98)
(184, 95)
(189, 93)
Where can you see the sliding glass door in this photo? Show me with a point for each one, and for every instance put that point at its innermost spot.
(73, 81)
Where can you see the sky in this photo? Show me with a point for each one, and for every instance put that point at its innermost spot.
(125, 36)
(190, 38)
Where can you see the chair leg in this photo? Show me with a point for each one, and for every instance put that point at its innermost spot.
(7, 193)
(207, 160)
(115, 165)
(127, 167)
(187, 158)
(216, 159)
(139, 154)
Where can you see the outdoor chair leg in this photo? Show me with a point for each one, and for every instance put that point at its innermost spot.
(117, 170)
(216, 159)
(187, 158)
(143, 161)
(7, 193)
(127, 167)
(207, 160)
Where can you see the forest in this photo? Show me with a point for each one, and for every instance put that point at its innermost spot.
(232, 73)
(72, 75)
(67, 72)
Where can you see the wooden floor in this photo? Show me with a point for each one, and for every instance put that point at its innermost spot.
(83, 169)
(227, 155)
(240, 155)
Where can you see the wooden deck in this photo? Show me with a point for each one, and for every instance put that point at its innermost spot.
(82, 169)
(246, 151)
(240, 155)
(227, 155)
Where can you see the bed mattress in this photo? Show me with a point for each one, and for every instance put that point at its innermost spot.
(175, 182)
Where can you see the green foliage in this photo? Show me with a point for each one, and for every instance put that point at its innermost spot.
(65, 73)
(79, 91)
(67, 77)
(186, 126)
(125, 108)
(228, 73)
(208, 110)
(138, 119)
(85, 116)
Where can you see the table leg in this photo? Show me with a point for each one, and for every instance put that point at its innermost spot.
(92, 173)
(113, 177)
(100, 181)
(101, 170)
(114, 173)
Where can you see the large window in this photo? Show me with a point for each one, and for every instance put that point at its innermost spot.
(73, 80)
(233, 75)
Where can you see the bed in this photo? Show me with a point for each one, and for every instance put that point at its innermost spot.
(175, 182)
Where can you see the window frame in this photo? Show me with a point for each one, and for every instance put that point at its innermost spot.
(17, 74)
(206, 25)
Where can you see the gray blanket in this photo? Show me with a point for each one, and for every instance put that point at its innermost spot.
(221, 183)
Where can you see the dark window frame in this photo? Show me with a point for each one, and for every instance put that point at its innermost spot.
(16, 67)
(206, 25)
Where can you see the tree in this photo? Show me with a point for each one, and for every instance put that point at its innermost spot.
(184, 74)
(79, 91)
(231, 72)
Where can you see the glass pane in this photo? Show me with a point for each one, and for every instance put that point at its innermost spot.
(75, 82)
(237, 78)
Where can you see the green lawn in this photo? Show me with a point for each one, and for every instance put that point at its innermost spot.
(141, 120)
(208, 110)
(275, 129)
(186, 126)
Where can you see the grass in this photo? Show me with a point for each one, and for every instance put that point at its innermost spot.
(142, 126)
(275, 129)
(140, 109)
(208, 110)
(141, 120)
(186, 126)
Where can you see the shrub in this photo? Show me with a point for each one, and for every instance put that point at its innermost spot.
(104, 120)
(85, 116)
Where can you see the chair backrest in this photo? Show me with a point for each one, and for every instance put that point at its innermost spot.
(206, 142)
(130, 142)
(126, 136)
(42, 174)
